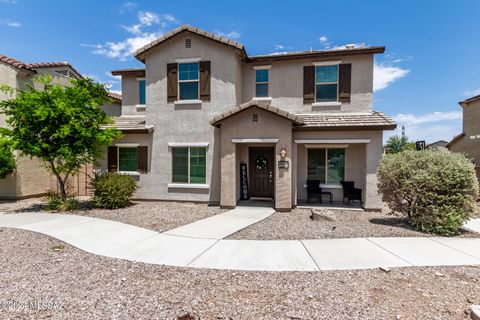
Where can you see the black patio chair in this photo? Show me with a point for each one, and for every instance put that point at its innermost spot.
(314, 191)
(350, 192)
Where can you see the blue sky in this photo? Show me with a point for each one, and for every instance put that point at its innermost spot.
(432, 59)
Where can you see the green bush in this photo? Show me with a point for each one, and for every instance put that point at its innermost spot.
(436, 190)
(7, 159)
(55, 203)
(112, 191)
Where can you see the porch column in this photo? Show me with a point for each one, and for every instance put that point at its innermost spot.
(373, 153)
(228, 174)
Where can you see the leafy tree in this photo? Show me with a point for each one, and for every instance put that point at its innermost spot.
(7, 159)
(436, 190)
(396, 144)
(60, 125)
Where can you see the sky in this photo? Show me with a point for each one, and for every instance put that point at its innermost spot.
(431, 62)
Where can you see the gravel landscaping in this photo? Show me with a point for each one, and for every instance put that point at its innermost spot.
(297, 225)
(159, 215)
(36, 268)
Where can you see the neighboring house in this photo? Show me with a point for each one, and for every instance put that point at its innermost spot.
(202, 106)
(468, 141)
(31, 178)
(440, 144)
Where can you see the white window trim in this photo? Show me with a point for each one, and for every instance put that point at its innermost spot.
(327, 63)
(330, 185)
(188, 144)
(180, 184)
(269, 66)
(262, 82)
(188, 60)
(187, 101)
(126, 145)
(320, 103)
(188, 186)
(179, 101)
(327, 103)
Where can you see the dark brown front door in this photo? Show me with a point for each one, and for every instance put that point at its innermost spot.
(261, 172)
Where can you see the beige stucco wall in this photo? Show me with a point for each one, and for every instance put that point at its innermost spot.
(241, 126)
(131, 96)
(184, 123)
(471, 127)
(31, 177)
(361, 163)
(286, 85)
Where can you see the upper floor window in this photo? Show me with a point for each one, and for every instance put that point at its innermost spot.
(261, 82)
(188, 84)
(326, 83)
(142, 91)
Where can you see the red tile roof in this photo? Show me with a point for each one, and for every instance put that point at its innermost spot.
(372, 119)
(16, 63)
(115, 97)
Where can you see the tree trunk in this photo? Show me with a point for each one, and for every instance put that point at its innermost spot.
(61, 182)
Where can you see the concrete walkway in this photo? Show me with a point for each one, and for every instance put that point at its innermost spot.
(206, 250)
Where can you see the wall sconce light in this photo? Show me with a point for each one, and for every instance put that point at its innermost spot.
(283, 152)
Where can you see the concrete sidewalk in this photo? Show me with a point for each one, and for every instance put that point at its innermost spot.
(222, 225)
(179, 248)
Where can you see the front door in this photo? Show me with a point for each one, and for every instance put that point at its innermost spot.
(261, 172)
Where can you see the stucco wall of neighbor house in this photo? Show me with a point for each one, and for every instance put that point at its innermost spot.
(112, 109)
(286, 85)
(131, 96)
(361, 163)
(241, 126)
(471, 128)
(186, 123)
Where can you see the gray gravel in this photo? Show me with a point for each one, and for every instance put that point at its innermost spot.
(297, 225)
(159, 215)
(94, 287)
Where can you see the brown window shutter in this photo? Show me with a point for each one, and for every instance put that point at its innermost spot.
(172, 82)
(142, 159)
(204, 80)
(308, 84)
(345, 82)
(112, 159)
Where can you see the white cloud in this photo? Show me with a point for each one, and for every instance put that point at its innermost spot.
(384, 75)
(279, 47)
(323, 39)
(127, 6)
(121, 50)
(430, 127)
(13, 24)
(231, 34)
(472, 93)
(116, 91)
(9, 1)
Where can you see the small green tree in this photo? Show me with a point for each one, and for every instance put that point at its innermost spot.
(436, 190)
(396, 144)
(60, 125)
(7, 158)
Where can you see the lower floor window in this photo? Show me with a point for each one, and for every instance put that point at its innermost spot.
(326, 165)
(127, 159)
(189, 165)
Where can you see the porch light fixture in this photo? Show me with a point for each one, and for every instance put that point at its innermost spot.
(283, 152)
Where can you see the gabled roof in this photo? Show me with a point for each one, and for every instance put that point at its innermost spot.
(138, 72)
(265, 105)
(357, 121)
(139, 54)
(41, 65)
(455, 139)
(115, 97)
(16, 63)
(467, 101)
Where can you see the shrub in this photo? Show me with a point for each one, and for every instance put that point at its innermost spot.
(7, 159)
(112, 191)
(436, 190)
(55, 203)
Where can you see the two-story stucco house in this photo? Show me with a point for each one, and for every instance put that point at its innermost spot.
(202, 109)
(468, 141)
(31, 178)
